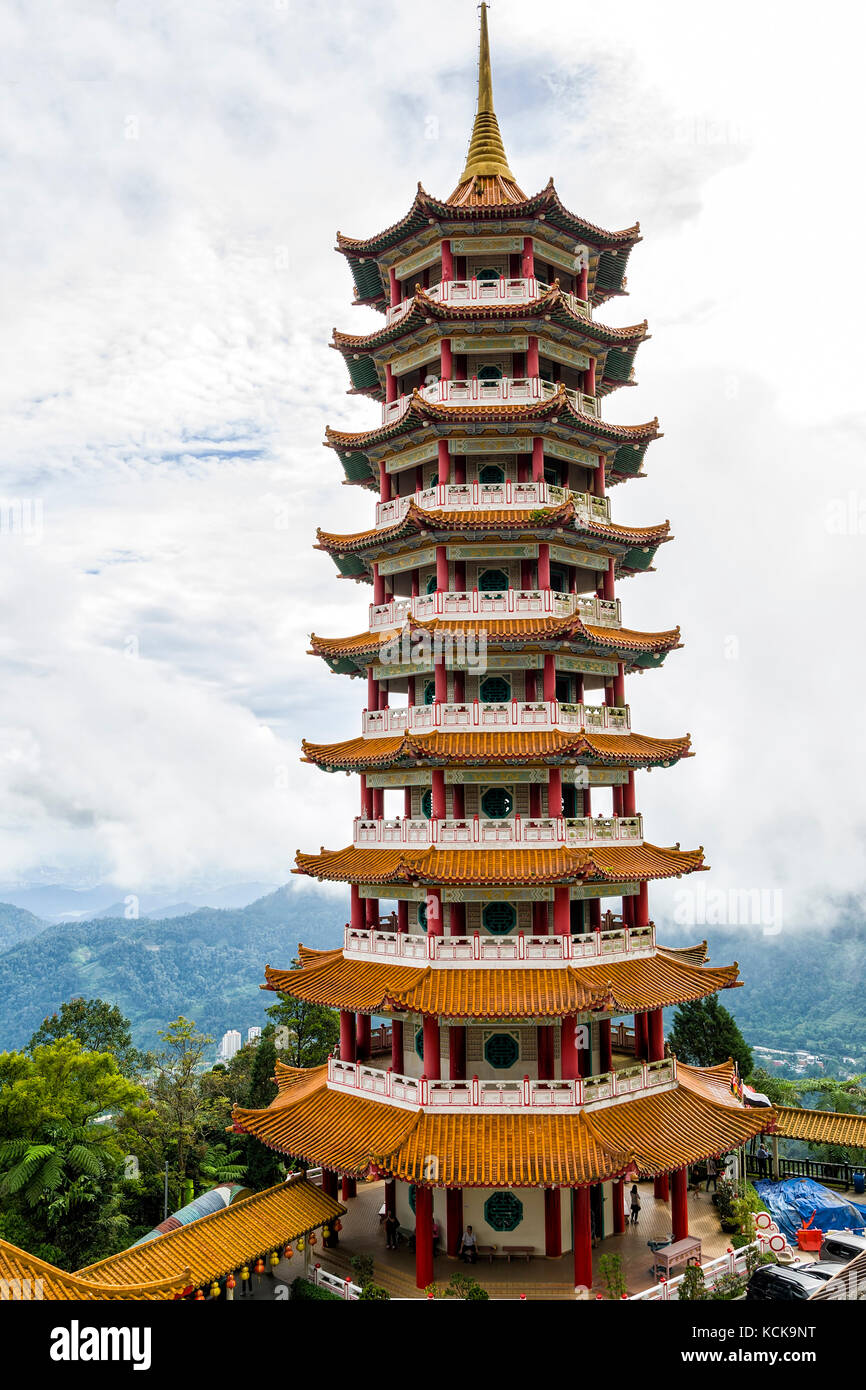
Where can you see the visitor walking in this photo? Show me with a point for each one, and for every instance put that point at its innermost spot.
(712, 1175)
(634, 1203)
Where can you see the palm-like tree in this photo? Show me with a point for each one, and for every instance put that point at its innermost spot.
(224, 1165)
(58, 1172)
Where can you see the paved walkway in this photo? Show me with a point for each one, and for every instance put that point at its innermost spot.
(539, 1279)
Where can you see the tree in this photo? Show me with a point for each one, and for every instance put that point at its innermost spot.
(705, 1034)
(182, 1110)
(99, 1027)
(306, 1033)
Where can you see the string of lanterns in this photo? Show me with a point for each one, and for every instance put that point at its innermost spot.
(272, 1257)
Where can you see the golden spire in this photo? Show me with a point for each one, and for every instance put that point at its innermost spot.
(486, 150)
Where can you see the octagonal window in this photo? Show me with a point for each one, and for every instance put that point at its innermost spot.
(503, 1211)
(497, 803)
(499, 918)
(495, 690)
(501, 1050)
(492, 581)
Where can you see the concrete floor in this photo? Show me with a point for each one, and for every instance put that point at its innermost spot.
(539, 1279)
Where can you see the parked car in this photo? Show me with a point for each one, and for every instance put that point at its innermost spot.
(775, 1282)
(842, 1246)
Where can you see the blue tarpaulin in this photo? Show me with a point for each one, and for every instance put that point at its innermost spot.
(792, 1202)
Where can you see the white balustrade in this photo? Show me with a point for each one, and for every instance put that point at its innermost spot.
(507, 390)
(503, 290)
(519, 1094)
(471, 604)
(477, 832)
(504, 496)
(617, 943)
(512, 714)
(732, 1262)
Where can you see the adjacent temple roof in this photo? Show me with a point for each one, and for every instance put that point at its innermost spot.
(601, 863)
(490, 747)
(25, 1277)
(698, 1118)
(627, 986)
(821, 1126)
(211, 1247)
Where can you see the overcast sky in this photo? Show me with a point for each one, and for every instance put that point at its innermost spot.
(173, 178)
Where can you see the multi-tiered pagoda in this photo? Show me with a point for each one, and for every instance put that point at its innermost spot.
(499, 864)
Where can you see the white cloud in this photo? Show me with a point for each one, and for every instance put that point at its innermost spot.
(175, 176)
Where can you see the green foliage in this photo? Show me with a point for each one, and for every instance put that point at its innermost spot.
(610, 1268)
(303, 1289)
(692, 1288)
(728, 1287)
(363, 1268)
(99, 1027)
(704, 1034)
(370, 1292)
(305, 1034)
(463, 1286)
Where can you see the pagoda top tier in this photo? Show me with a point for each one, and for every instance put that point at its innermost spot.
(487, 192)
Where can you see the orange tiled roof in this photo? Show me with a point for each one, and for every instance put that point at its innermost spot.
(695, 955)
(651, 1135)
(627, 986)
(421, 411)
(212, 1246)
(26, 1276)
(612, 863)
(417, 519)
(491, 746)
(821, 1126)
(508, 632)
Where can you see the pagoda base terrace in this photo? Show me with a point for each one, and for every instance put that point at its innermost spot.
(503, 391)
(510, 714)
(502, 291)
(504, 496)
(516, 833)
(495, 603)
(624, 943)
(472, 1094)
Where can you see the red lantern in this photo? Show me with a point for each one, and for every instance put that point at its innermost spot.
(338, 1225)
(230, 1282)
(199, 1293)
(313, 1238)
(287, 1252)
(260, 1265)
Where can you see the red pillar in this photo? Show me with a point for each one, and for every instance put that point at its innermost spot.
(457, 1052)
(349, 1188)
(347, 1036)
(423, 1236)
(543, 567)
(628, 800)
(447, 261)
(619, 1207)
(582, 1237)
(584, 1054)
(537, 459)
(390, 384)
(569, 1068)
(441, 569)
(552, 1222)
(594, 912)
(527, 260)
(437, 799)
(397, 1062)
(532, 357)
(539, 919)
(619, 685)
(330, 1182)
(453, 1219)
(608, 581)
(407, 802)
(561, 910)
(549, 676)
(402, 915)
(589, 379)
(457, 917)
(440, 682)
(357, 907)
(362, 1037)
(434, 912)
(640, 1037)
(384, 488)
(605, 1048)
(371, 912)
(679, 1203)
(446, 371)
(642, 916)
(432, 1066)
(444, 460)
(394, 285)
(544, 1035)
(655, 1036)
(554, 791)
(661, 1188)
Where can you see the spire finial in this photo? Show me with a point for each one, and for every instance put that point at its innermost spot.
(486, 150)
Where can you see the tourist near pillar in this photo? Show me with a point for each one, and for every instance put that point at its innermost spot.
(457, 1052)
(347, 1036)
(423, 1236)
(430, 1034)
(582, 1237)
(552, 1222)
(680, 1203)
(618, 1198)
(453, 1220)
(397, 1062)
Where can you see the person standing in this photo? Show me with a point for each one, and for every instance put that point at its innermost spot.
(712, 1175)
(634, 1203)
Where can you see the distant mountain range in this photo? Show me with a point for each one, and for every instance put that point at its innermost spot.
(57, 902)
(802, 988)
(207, 964)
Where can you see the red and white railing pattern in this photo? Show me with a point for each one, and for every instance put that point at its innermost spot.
(477, 496)
(504, 290)
(510, 714)
(507, 390)
(622, 943)
(518, 1095)
(768, 1239)
(475, 832)
(496, 603)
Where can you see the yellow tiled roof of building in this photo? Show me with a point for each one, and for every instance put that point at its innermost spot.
(493, 746)
(821, 1126)
(26, 1277)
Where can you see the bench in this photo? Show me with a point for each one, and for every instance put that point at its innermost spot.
(518, 1252)
(486, 1252)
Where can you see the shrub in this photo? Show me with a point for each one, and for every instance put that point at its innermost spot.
(363, 1269)
(692, 1287)
(463, 1286)
(372, 1291)
(610, 1267)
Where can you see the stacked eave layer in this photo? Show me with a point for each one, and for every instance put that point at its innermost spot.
(519, 867)
(485, 748)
